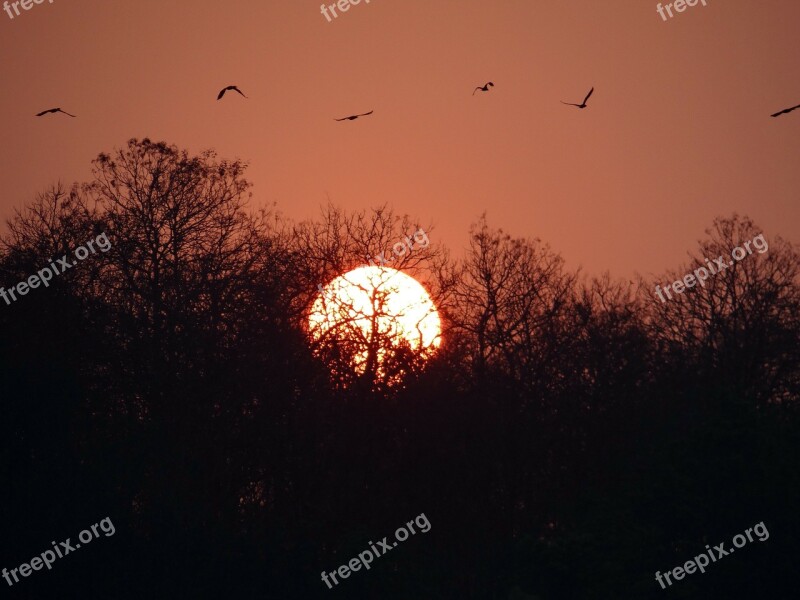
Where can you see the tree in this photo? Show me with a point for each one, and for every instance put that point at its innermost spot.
(513, 296)
(738, 327)
(363, 344)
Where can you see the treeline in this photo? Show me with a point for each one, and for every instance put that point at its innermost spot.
(572, 436)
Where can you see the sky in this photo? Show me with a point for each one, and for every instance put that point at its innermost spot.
(676, 133)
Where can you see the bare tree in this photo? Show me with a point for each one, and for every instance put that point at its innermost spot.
(512, 300)
(358, 342)
(181, 237)
(58, 221)
(740, 325)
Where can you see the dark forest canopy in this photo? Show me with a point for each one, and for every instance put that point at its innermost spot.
(573, 435)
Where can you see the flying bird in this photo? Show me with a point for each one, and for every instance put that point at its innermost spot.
(53, 110)
(787, 110)
(230, 87)
(485, 88)
(583, 104)
(354, 117)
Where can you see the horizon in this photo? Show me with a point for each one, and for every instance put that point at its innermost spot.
(677, 132)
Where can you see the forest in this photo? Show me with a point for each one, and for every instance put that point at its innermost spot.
(571, 436)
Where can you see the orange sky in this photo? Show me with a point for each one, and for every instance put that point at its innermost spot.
(677, 132)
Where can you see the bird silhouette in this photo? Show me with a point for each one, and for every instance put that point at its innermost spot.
(53, 110)
(583, 104)
(786, 110)
(230, 87)
(485, 88)
(354, 117)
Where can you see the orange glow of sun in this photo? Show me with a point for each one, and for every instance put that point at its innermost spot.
(372, 311)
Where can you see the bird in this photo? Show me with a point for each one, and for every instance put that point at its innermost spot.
(787, 110)
(53, 110)
(485, 88)
(354, 117)
(230, 87)
(583, 104)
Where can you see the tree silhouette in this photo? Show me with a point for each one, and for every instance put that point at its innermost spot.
(741, 326)
(512, 296)
(363, 344)
(570, 436)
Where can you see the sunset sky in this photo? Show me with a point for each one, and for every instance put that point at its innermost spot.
(677, 132)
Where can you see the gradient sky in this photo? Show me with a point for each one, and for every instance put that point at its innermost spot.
(677, 132)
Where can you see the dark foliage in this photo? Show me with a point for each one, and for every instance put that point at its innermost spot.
(571, 438)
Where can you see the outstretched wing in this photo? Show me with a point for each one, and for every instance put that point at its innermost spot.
(65, 112)
(44, 112)
(236, 89)
(222, 93)
(365, 114)
(587, 95)
(343, 119)
(569, 103)
(786, 110)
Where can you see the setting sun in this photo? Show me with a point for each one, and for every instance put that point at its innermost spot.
(371, 313)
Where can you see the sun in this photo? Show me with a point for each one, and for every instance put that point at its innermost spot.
(377, 321)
